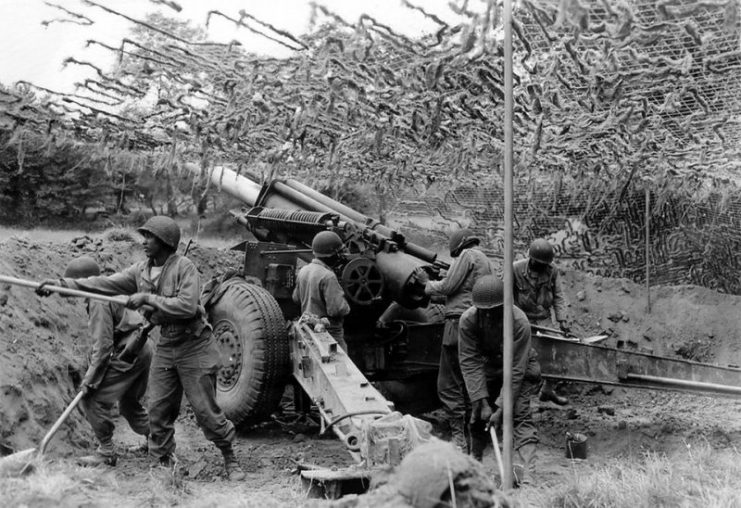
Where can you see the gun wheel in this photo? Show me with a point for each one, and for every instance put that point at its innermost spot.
(362, 281)
(251, 336)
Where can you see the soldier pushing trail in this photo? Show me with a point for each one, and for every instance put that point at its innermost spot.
(186, 359)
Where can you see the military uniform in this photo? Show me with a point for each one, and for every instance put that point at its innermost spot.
(110, 380)
(319, 293)
(480, 345)
(186, 358)
(471, 264)
(537, 292)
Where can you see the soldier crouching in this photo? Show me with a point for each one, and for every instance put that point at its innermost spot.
(480, 346)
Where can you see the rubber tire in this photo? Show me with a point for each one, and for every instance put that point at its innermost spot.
(261, 330)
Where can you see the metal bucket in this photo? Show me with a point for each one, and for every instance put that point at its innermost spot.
(576, 446)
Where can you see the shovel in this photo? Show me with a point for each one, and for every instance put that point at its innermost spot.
(21, 461)
(497, 452)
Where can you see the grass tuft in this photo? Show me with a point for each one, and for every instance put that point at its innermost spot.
(697, 476)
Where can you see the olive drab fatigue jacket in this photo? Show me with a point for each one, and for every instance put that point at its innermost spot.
(108, 324)
(456, 286)
(480, 347)
(177, 292)
(319, 293)
(535, 293)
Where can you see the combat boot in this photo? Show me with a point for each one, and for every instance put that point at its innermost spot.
(231, 465)
(458, 434)
(103, 456)
(523, 465)
(547, 393)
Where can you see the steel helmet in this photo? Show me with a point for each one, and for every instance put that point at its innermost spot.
(82, 268)
(460, 240)
(326, 244)
(541, 251)
(427, 472)
(488, 292)
(163, 228)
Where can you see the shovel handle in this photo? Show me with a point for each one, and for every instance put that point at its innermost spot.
(63, 290)
(59, 422)
(497, 452)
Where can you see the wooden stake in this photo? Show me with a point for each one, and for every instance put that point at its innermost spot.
(648, 248)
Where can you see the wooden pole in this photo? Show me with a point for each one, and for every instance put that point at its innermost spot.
(63, 290)
(648, 248)
(508, 326)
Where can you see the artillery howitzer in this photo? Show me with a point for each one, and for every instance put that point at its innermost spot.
(393, 332)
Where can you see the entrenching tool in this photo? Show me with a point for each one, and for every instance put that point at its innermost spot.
(21, 461)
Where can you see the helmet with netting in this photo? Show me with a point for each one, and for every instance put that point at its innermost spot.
(163, 228)
(82, 268)
(541, 251)
(426, 473)
(488, 292)
(460, 240)
(326, 244)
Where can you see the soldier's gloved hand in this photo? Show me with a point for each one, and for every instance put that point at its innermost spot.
(480, 411)
(495, 420)
(42, 291)
(137, 300)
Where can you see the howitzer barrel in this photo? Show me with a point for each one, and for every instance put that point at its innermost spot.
(235, 185)
(350, 214)
(292, 195)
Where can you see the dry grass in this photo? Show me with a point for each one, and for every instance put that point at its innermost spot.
(697, 476)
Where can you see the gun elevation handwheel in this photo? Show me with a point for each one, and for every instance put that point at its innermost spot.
(362, 281)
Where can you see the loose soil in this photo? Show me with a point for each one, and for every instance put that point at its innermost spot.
(43, 356)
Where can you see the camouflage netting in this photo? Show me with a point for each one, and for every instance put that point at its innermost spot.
(611, 98)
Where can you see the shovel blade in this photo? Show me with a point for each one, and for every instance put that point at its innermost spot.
(15, 463)
(594, 339)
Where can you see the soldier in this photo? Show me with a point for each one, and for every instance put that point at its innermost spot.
(317, 288)
(469, 264)
(109, 380)
(186, 358)
(538, 290)
(481, 350)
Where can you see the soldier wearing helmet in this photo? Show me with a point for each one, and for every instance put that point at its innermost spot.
(186, 359)
(480, 347)
(537, 291)
(317, 289)
(469, 264)
(108, 380)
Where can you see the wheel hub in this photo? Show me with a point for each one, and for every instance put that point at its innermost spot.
(230, 350)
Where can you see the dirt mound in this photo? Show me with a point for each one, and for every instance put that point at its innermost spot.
(43, 341)
(692, 322)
